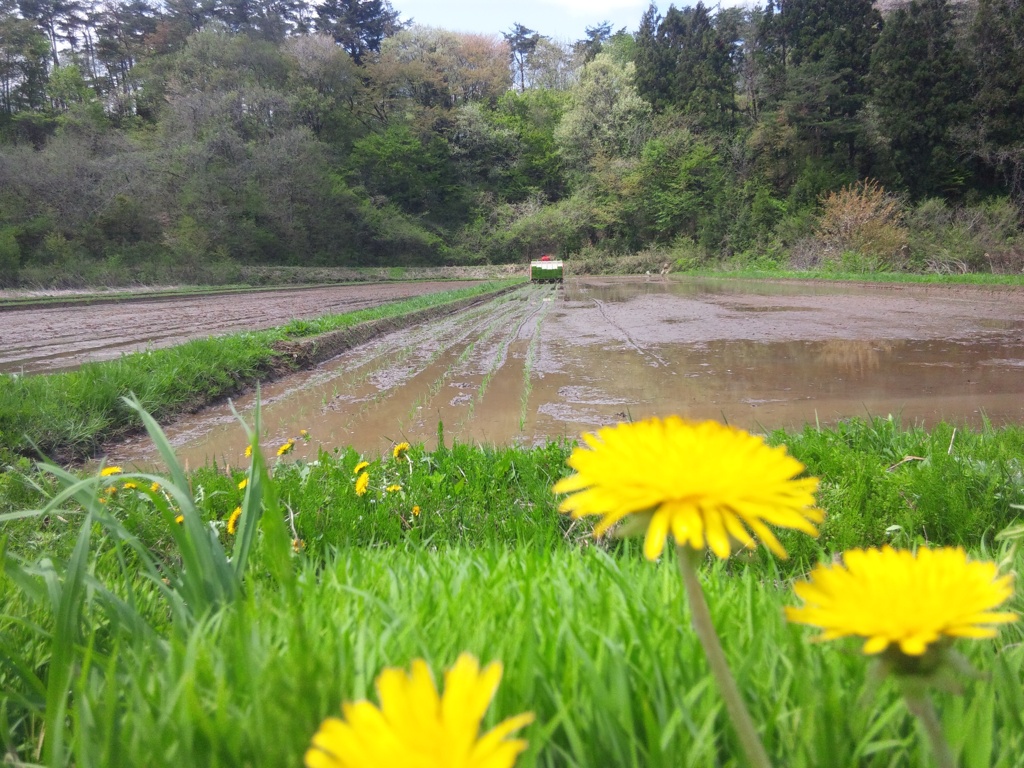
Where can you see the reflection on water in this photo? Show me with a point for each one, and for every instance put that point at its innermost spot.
(786, 384)
(545, 363)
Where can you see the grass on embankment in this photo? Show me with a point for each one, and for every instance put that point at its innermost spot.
(880, 483)
(69, 415)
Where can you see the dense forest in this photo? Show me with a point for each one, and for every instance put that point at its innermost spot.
(144, 140)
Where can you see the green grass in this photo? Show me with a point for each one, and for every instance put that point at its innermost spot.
(598, 647)
(126, 639)
(956, 490)
(69, 415)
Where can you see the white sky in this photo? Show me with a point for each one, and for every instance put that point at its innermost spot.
(564, 20)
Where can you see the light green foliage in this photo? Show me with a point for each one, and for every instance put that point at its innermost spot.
(679, 183)
(606, 117)
(73, 98)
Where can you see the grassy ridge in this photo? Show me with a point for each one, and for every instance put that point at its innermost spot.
(69, 415)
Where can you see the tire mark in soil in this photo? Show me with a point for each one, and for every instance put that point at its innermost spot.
(653, 358)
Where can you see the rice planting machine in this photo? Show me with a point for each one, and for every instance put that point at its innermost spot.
(546, 269)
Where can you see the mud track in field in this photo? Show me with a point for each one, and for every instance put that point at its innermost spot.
(545, 362)
(42, 339)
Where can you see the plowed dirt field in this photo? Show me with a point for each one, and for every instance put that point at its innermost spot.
(36, 339)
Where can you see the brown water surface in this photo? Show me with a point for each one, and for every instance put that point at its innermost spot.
(547, 362)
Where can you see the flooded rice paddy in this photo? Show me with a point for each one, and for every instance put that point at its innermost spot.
(552, 361)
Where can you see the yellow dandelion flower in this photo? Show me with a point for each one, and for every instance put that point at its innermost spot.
(242, 483)
(179, 519)
(394, 488)
(360, 467)
(286, 448)
(414, 726)
(154, 487)
(108, 471)
(400, 450)
(110, 490)
(248, 451)
(304, 434)
(129, 486)
(362, 483)
(233, 521)
(897, 597)
(703, 482)
(416, 510)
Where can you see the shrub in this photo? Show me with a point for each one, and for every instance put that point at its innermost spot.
(980, 238)
(867, 221)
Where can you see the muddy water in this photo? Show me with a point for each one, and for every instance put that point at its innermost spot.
(551, 361)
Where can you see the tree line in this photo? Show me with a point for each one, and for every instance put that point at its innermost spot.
(150, 140)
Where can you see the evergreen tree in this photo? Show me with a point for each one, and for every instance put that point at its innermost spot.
(920, 95)
(358, 26)
(997, 136)
(683, 62)
(59, 20)
(653, 61)
(121, 31)
(522, 42)
(587, 48)
(24, 51)
(826, 47)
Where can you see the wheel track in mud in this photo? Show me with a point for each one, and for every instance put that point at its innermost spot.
(630, 341)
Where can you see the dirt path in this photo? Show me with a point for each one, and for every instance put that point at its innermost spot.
(55, 338)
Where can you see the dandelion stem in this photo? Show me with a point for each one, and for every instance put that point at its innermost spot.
(702, 625)
(920, 705)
